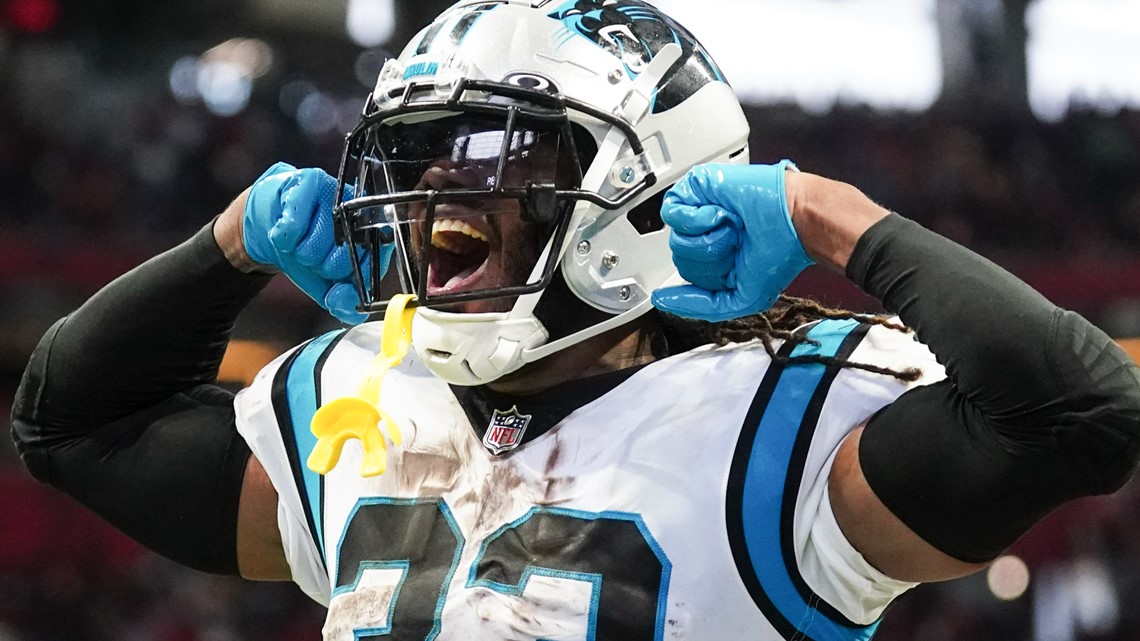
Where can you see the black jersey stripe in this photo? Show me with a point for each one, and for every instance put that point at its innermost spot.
(735, 492)
(296, 396)
(279, 398)
(318, 369)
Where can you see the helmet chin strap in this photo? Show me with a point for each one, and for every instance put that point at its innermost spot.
(473, 349)
(485, 352)
(546, 349)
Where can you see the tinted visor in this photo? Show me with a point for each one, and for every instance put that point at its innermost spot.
(475, 148)
(473, 201)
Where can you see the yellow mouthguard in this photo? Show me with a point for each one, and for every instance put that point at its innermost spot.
(360, 416)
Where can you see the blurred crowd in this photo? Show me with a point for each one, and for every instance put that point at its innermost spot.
(99, 169)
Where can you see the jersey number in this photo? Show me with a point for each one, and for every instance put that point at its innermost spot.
(612, 551)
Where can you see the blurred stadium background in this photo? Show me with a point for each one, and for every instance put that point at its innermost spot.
(1011, 126)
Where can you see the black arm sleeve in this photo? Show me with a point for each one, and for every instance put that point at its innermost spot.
(1039, 406)
(117, 406)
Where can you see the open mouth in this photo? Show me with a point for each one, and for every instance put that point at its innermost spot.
(460, 256)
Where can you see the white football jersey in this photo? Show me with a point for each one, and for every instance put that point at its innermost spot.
(688, 502)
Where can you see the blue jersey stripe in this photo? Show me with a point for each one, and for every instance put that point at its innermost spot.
(771, 455)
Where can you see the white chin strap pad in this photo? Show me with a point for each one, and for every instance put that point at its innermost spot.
(473, 349)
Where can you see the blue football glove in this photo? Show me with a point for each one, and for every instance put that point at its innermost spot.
(732, 238)
(288, 223)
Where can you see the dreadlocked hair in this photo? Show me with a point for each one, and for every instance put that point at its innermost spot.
(778, 323)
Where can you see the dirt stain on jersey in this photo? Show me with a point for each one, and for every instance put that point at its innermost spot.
(519, 617)
(366, 607)
(496, 497)
(435, 466)
(429, 471)
(554, 485)
(676, 622)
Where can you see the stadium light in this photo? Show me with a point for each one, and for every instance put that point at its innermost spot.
(371, 22)
(1008, 578)
(222, 78)
(32, 16)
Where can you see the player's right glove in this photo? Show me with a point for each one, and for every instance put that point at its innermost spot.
(733, 239)
(288, 223)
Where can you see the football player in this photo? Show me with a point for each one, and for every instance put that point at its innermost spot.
(562, 455)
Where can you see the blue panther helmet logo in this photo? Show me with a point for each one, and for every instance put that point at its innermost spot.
(634, 32)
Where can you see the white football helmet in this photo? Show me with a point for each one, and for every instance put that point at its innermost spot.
(517, 153)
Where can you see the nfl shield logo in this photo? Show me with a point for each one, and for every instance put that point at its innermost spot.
(506, 430)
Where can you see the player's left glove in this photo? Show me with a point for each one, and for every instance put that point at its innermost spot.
(288, 223)
(732, 239)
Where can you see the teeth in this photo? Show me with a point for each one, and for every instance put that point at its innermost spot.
(452, 225)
